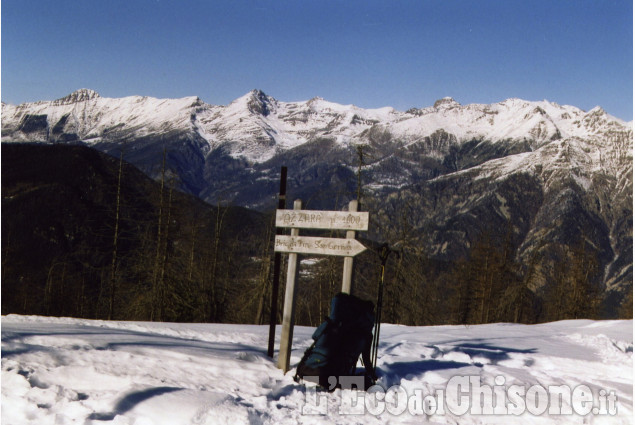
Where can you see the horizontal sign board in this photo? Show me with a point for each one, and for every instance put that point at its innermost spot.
(306, 219)
(315, 245)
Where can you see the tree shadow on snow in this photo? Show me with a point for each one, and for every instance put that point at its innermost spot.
(492, 353)
(479, 354)
(393, 373)
(130, 400)
(16, 342)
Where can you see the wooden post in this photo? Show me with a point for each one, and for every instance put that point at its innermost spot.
(273, 317)
(347, 275)
(288, 313)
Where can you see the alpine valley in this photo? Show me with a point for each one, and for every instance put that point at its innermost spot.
(548, 186)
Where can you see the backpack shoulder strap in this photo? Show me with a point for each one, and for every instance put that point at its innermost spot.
(320, 330)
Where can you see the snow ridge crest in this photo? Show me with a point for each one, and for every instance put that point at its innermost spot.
(77, 96)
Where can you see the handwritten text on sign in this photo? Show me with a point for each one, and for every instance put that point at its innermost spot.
(306, 219)
(315, 245)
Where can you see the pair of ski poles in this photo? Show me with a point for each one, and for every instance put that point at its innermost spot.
(384, 253)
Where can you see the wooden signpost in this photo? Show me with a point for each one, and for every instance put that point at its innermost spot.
(295, 244)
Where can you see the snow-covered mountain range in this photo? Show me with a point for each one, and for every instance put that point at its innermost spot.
(545, 173)
(257, 126)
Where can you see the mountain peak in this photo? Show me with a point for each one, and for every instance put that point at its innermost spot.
(259, 102)
(597, 111)
(446, 102)
(80, 95)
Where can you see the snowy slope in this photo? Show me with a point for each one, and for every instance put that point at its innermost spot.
(93, 117)
(279, 126)
(64, 371)
(511, 119)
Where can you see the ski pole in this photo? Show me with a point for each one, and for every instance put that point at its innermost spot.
(385, 252)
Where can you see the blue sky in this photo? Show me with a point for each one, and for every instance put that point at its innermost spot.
(400, 53)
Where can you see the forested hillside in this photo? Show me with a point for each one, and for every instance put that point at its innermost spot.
(87, 235)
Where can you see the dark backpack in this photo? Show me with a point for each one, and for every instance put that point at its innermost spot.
(338, 342)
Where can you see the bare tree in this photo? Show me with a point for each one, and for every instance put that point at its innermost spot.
(113, 262)
(159, 244)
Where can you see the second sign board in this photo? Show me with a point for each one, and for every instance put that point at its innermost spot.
(315, 245)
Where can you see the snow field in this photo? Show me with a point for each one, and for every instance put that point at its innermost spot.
(71, 371)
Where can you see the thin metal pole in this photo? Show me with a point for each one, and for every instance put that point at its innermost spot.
(273, 317)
